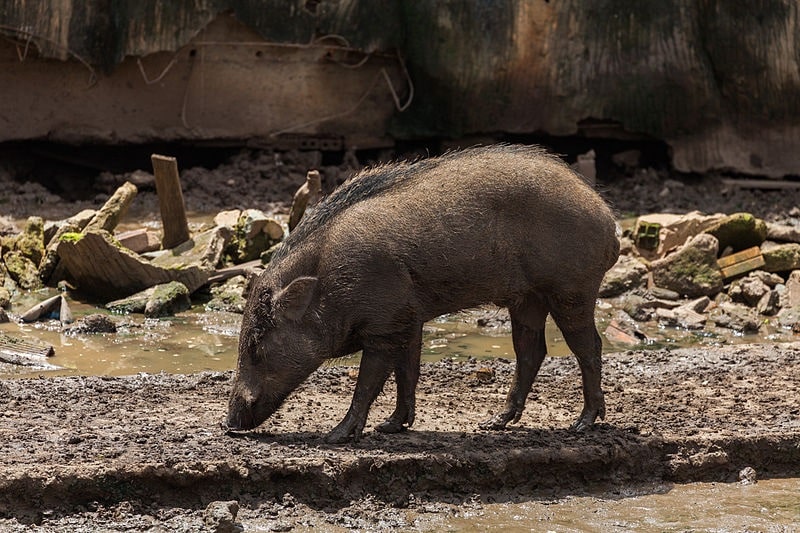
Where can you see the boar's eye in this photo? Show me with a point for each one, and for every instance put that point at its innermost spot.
(257, 321)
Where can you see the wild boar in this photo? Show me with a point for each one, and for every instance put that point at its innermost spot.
(403, 243)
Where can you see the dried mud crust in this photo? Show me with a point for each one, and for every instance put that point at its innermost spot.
(154, 442)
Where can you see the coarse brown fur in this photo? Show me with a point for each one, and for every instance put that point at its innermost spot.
(400, 244)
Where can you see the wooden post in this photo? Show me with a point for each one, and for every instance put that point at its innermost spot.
(170, 200)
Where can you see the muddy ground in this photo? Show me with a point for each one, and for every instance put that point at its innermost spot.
(146, 452)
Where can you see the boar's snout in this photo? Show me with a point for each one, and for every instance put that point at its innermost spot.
(240, 414)
(246, 408)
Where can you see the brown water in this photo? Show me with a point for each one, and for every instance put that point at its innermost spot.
(197, 340)
(769, 506)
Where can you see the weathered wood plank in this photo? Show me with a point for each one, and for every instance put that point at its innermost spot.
(170, 200)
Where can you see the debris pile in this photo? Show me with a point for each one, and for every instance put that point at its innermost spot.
(688, 271)
(134, 271)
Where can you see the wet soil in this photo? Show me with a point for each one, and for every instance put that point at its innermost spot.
(147, 451)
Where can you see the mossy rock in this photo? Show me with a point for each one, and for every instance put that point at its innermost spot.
(29, 243)
(739, 231)
(691, 270)
(5, 298)
(22, 270)
(167, 299)
(782, 258)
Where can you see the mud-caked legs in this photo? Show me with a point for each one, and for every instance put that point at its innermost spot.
(406, 372)
(401, 353)
(580, 333)
(375, 367)
(527, 331)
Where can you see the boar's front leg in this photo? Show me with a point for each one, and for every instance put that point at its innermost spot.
(406, 373)
(375, 367)
(527, 334)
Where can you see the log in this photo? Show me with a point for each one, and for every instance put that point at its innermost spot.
(42, 309)
(170, 200)
(18, 351)
(114, 209)
(108, 271)
(237, 270)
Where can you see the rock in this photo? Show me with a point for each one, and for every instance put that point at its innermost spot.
(167, 299)
(791, 297)
(643, 308)
(5, 298)
(160, 300)
(204, 250)
(769, 278)
(253, 234)
(698, 305)
(29, 243)
(228, 296)
(99, 266)
(658, 234)
(22, 270)
(681, 317)
(789, 317)
(748, 290)
(739, 231)
(3, 316)
(79, 220)
(691, 270)
(781, 258)
(628, 273)
(748, 476)
(769, 304)
(736, 317)
(139, 240)
(663, 294)
(228, 219)
(220, 517)
(94, 323)
(781, 233)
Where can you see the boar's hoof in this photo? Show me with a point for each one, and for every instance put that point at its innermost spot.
(587, 418)
(347, 428)
(498, 422)
(391, 426)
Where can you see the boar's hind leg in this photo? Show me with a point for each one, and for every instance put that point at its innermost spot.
(375, 367)
(406, 374)
(527, 333)
(577, 325)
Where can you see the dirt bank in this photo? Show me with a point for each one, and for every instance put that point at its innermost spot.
(146, 451)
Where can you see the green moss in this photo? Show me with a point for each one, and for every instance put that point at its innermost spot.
(70, 237)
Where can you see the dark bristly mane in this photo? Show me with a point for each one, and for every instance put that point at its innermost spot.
(374, 181)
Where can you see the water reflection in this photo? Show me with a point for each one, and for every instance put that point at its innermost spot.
(197, 340)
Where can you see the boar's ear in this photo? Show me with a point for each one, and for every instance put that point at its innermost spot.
(293, 300)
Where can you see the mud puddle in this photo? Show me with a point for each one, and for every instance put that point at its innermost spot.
(199, 340)
(770, 505)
